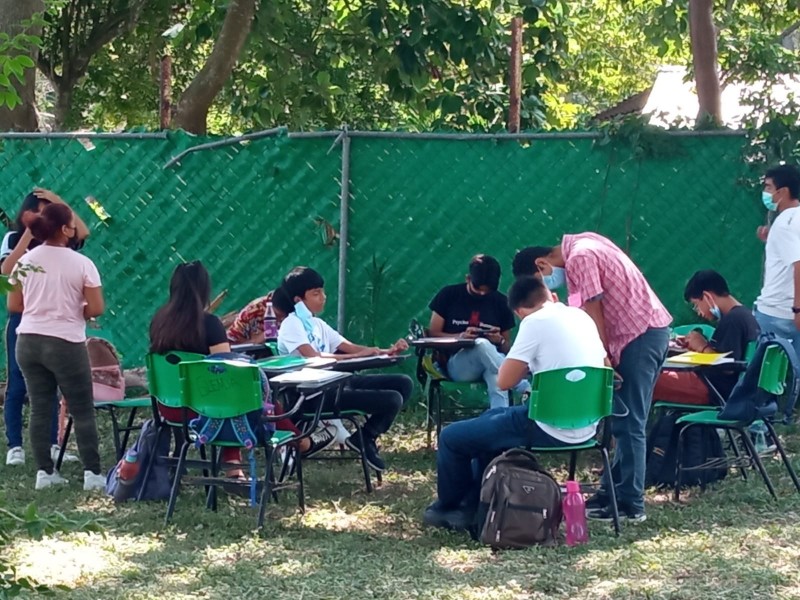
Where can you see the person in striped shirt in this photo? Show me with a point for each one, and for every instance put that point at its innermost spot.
(633, 324)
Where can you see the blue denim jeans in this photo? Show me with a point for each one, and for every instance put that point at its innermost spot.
(16, 390)
(639, 367)
(782, 328)
(482, 362)
(466, 447)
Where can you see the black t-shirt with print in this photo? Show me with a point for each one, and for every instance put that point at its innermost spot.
(735, 330)
(460, 309)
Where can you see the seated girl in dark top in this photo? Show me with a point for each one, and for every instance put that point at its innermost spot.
(183, 325)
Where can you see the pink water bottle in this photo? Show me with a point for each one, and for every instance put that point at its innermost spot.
(575, 515)
(270, 323)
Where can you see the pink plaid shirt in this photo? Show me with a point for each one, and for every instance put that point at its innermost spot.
(597, 267)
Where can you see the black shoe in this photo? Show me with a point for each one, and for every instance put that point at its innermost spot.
(370, 451)
(598, 500)
(625, 514)
(457, 519)
(320, 440)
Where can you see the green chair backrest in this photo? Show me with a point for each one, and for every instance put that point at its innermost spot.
(707, 329)
(750, 350)
(774, 367)
(163, 377)
(220, 389)
(571, 398)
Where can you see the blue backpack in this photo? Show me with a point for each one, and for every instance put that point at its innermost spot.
(159, 483)
(747, 401)
(246, 430)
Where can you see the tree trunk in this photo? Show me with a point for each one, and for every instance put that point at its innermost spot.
(23, 116)
(193, 106)
(704, 57)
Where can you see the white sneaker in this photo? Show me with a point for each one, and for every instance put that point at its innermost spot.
(55, 449)
(93, 482)
(45, 480)
(15, 456)
(341, 431)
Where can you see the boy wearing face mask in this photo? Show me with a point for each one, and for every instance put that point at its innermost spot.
(302, 333)
(736, 328)
(632, 323)
(778, 306)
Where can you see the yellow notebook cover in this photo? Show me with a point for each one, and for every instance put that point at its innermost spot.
(701, 358)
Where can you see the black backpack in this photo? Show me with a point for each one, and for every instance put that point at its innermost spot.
(520, 503)
(701, 445)
(159, 483)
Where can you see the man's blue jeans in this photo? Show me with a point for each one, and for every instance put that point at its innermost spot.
(782, 328)
(639, 366)
(483, 362)
(466, 447)
(16, 390)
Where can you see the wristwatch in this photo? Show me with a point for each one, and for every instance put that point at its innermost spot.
(796, 310)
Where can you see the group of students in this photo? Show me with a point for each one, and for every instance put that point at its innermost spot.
(612, 317)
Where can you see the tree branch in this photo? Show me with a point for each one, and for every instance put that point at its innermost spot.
(197, 98)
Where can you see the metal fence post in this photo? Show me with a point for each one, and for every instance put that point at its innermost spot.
(344, 225)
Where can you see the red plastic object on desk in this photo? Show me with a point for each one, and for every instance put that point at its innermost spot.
(574, 510)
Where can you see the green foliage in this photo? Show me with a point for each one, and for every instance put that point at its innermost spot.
(14, 60)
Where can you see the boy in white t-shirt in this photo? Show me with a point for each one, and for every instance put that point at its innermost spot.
(551, 336)
(303, 334)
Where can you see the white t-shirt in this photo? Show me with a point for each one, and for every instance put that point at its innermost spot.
(783, 250)
(292, 335)
(54, 298)
(558, 337)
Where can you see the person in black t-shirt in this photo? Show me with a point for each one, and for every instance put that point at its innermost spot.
(476, 310)
(736, 328)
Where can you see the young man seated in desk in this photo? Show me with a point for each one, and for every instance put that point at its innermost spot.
(302, 333)
(475, 310)
(551, 336)
(736, 328)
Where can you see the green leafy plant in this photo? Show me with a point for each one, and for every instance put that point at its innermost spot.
(14, 60)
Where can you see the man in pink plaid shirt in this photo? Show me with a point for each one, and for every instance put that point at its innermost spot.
(633, 325)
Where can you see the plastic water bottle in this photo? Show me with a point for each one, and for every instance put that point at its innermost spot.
(575, 515)
(127, 473)
(759, 431)
(270, 323)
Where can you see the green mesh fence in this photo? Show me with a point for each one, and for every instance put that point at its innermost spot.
(419, 209)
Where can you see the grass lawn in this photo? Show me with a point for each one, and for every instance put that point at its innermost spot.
(730, 542)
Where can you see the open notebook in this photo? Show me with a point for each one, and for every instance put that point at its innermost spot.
(701, 358)
(307, 376)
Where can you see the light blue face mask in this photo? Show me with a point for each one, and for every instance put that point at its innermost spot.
(556, 279)
(306, 318)
(715, 312)
(768, 201)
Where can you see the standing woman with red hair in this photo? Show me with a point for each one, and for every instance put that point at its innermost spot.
(57, 291)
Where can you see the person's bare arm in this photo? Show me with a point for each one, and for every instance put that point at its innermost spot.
(95, 305)
(219, 348)
(81, 230)
(436, 328)
(11, 260)
(511, 373)
(14, 301)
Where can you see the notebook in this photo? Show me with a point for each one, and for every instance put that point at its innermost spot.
(701, 358)
(307, 376)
